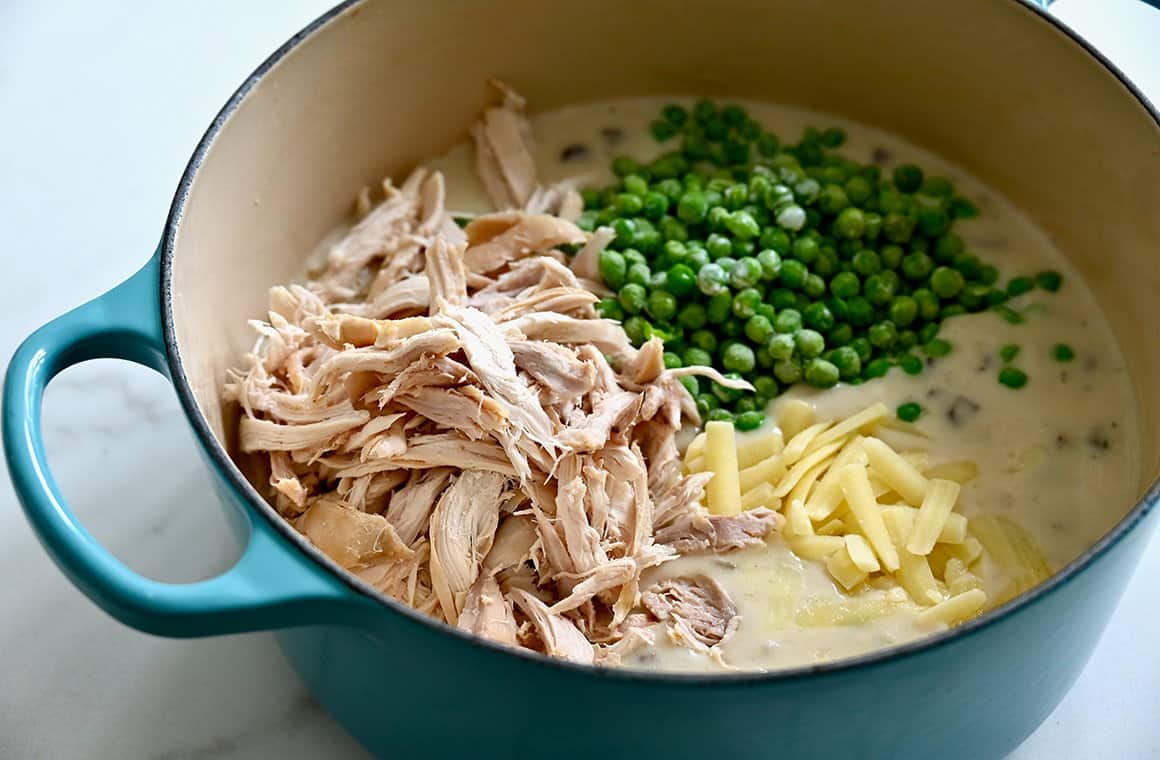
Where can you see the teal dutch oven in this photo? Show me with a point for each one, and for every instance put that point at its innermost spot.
(372, 87)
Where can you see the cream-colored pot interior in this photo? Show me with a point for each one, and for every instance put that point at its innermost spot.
(985, 83)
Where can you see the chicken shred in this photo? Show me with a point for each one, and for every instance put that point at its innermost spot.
(443, 414)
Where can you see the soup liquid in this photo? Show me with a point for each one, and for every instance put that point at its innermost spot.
(1057, 456)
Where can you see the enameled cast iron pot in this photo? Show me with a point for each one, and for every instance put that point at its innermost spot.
(374, 86)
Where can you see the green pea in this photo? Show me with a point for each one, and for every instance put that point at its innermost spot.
(1049, 280)
(637, 329)
(859, 190)
(758, 329)
(744, 404)
(681, 281)
(850, 223)
(988, 274)
(712, 279)
(840, 335)
(938, 187)
(916, 265)
(903, 310)
(927, 302)
(770, 264)
(706, 340)
(719, 307)
(1008, 352)
(654, 205)
(1013, 378)
(946, 282)
(953, 310)
(879, 289)
(782, 298)
(1062, 352)
(692, 208)
(859, 311)
(974, 295)
(961, 208)
(908, 178)
(692, 316)
(787, 371)
(720, 415)
(693, 357)
(745, 303)
(635, 184)
(768, 144)
(718, 246)
(731, 328)
(633, 256)
(937, 348)
(764, 359)
(928, 332)
(1019, 285)
(691, 385)
(832, 199)
(610, 308)
(866, 262)
(806, 250)
(933, 221)
(671, 360)
(910, 364)
(947, 247)
(874, 223)
(661, 305)
(793, 274)
(670, 228)
(746, 273)
(749, 420)
(613, 268)
(891, 255)
(815, 286)
(883, 334)
(845, 285)
(862, 347)
(788, 320)
(876, 368)
(639, 274)
(706, 403)
(765, 386)
(818, 316)
(847, 361)
(662, 130)
(735, 196)
(622, 166)
(897, 227)
(791, 217)
(633, 297)
(776, 239)
(781, 346)
(822, 374)
(909, 412)
(809, 343)
(968, 265)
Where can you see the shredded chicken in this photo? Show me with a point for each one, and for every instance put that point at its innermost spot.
(443, 414)
(698, 611)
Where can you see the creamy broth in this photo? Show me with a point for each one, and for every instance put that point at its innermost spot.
(1058, 456)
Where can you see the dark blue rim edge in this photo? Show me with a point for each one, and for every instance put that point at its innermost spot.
(258, 504)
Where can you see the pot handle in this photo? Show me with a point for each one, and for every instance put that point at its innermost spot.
(272, 585)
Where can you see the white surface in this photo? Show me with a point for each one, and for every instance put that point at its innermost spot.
(100, 106)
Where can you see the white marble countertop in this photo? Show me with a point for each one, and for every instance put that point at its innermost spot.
(100, 106)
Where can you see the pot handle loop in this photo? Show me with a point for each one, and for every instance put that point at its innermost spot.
(272, 585)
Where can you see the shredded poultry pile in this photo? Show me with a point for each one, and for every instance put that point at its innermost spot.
(444, 415)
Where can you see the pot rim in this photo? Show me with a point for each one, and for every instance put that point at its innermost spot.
(230, 471)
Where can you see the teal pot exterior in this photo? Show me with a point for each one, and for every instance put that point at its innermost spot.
(409, 687)
(974, 695)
